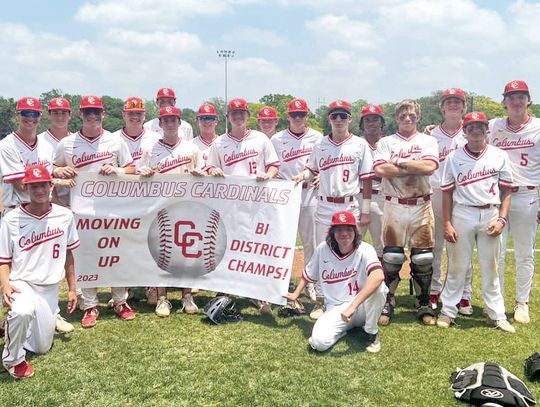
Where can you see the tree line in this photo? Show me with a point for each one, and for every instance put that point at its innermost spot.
(317, 119)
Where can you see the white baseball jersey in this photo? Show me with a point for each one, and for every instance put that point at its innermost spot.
(15, 156)
(341, 278)
(375, 181)
(476, 179)
(178, 159)
(185, 131)
(89, 155)
(447, 143)
(135, 144)
(397, 147)
(36, 245)
(252, 154)
(293, 151)
(523, 147)
(204, 150)
(341, 165)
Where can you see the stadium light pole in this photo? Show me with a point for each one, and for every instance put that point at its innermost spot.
(225, 54)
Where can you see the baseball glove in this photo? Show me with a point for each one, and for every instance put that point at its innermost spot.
(291, 309)
(532, 367)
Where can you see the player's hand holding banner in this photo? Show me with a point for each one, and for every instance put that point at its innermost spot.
(232, 234)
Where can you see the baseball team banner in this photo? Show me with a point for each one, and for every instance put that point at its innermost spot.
(232, 235)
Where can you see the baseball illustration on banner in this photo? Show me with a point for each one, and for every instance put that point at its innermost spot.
(187, 238)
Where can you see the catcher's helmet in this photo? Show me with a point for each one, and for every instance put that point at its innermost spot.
(221, 310)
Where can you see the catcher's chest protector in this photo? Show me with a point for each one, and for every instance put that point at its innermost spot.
(489, 384)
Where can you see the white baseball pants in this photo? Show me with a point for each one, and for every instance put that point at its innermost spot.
(375, 227)
(330, 328)
(523, 226)
(30, 322)
(306, 222)
(90, 298)
(470, 224)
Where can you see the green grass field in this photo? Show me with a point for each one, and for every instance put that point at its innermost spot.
(265, 361)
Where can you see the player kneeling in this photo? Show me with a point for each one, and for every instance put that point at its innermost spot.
(351, 278)
(476, 185)
(36, 240)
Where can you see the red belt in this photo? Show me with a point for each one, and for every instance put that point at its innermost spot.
(337, 199)
(305, 185)
(409, 201)
(486, 206)
(373, 191)
(522, 188)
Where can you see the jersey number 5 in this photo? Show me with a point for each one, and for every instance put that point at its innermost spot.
(524, 160)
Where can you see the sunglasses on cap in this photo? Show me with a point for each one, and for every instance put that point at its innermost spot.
(91, 110)
(207, 118)
(298, 115)
(341, 115)
(30, 114)
(133, 104)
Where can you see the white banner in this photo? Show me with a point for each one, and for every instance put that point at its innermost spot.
(232, 235)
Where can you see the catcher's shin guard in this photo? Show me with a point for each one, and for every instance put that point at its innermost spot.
(393, 259)
(421, 273)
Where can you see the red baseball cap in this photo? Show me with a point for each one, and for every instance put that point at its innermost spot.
(29, 103)
(237, 104)
(36, 173)
(59, 104)
(339, 105)
(515, 86)
(343, 218)
(267, 113)
(371, 110)
(91, 102)
(475, 117)
(134, 104)
(454, 93)
(165, 93)
(207, 109)
(170, 111)
(297, 105)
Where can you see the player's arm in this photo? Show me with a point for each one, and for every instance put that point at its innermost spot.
(296, 293)
(496, 227)
(417, 167)
(270, 173)
(388, 170)
(450, 233)
(372, 284)
(70, 278)
(7, 289)
(365, 211)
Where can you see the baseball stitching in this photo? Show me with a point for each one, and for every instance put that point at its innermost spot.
(165, 238)
(209, 249)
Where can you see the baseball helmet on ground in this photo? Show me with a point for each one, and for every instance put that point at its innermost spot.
(221, 310)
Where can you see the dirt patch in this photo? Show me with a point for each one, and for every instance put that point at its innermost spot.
(298, 263)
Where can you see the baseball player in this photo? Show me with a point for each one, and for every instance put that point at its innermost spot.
(267, 120)
(36, 240)
(243, 152)
(476, 185)
(343, 162)
(170, 155)
(166, 97)
(351, 279)
(293, 147)
(93, 149)
(404, 161)
(207, 120)
(449, 136)
(519, 135)
(372, 129)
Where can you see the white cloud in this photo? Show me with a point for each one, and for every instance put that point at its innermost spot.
(340, 31)
(526, 17)
(254, 36)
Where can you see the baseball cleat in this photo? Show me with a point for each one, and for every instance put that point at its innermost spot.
(310, 292)
(505, 326)
(425, 313)
(387, 314)
(188, 305)
(444, 321)
(110, 304)
(151, 296)
(23, 370)
(521, 313)
(434, 301)
(62, 326)
(374, 343)
(465, 307)
(124, 311)
(163, 307)
(89, 319)
(318, 310)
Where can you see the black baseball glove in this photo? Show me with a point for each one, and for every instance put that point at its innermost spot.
(532, 367)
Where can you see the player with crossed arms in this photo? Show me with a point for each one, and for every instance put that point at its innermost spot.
(351, 278)
(476, 185)
(343, 163)
(36, 240)
(519, 135)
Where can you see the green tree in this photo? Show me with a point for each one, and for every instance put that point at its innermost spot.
(7, 116)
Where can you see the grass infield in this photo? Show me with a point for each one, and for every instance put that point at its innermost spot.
(265, 360)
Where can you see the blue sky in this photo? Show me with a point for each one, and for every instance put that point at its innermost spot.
(383, 50)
